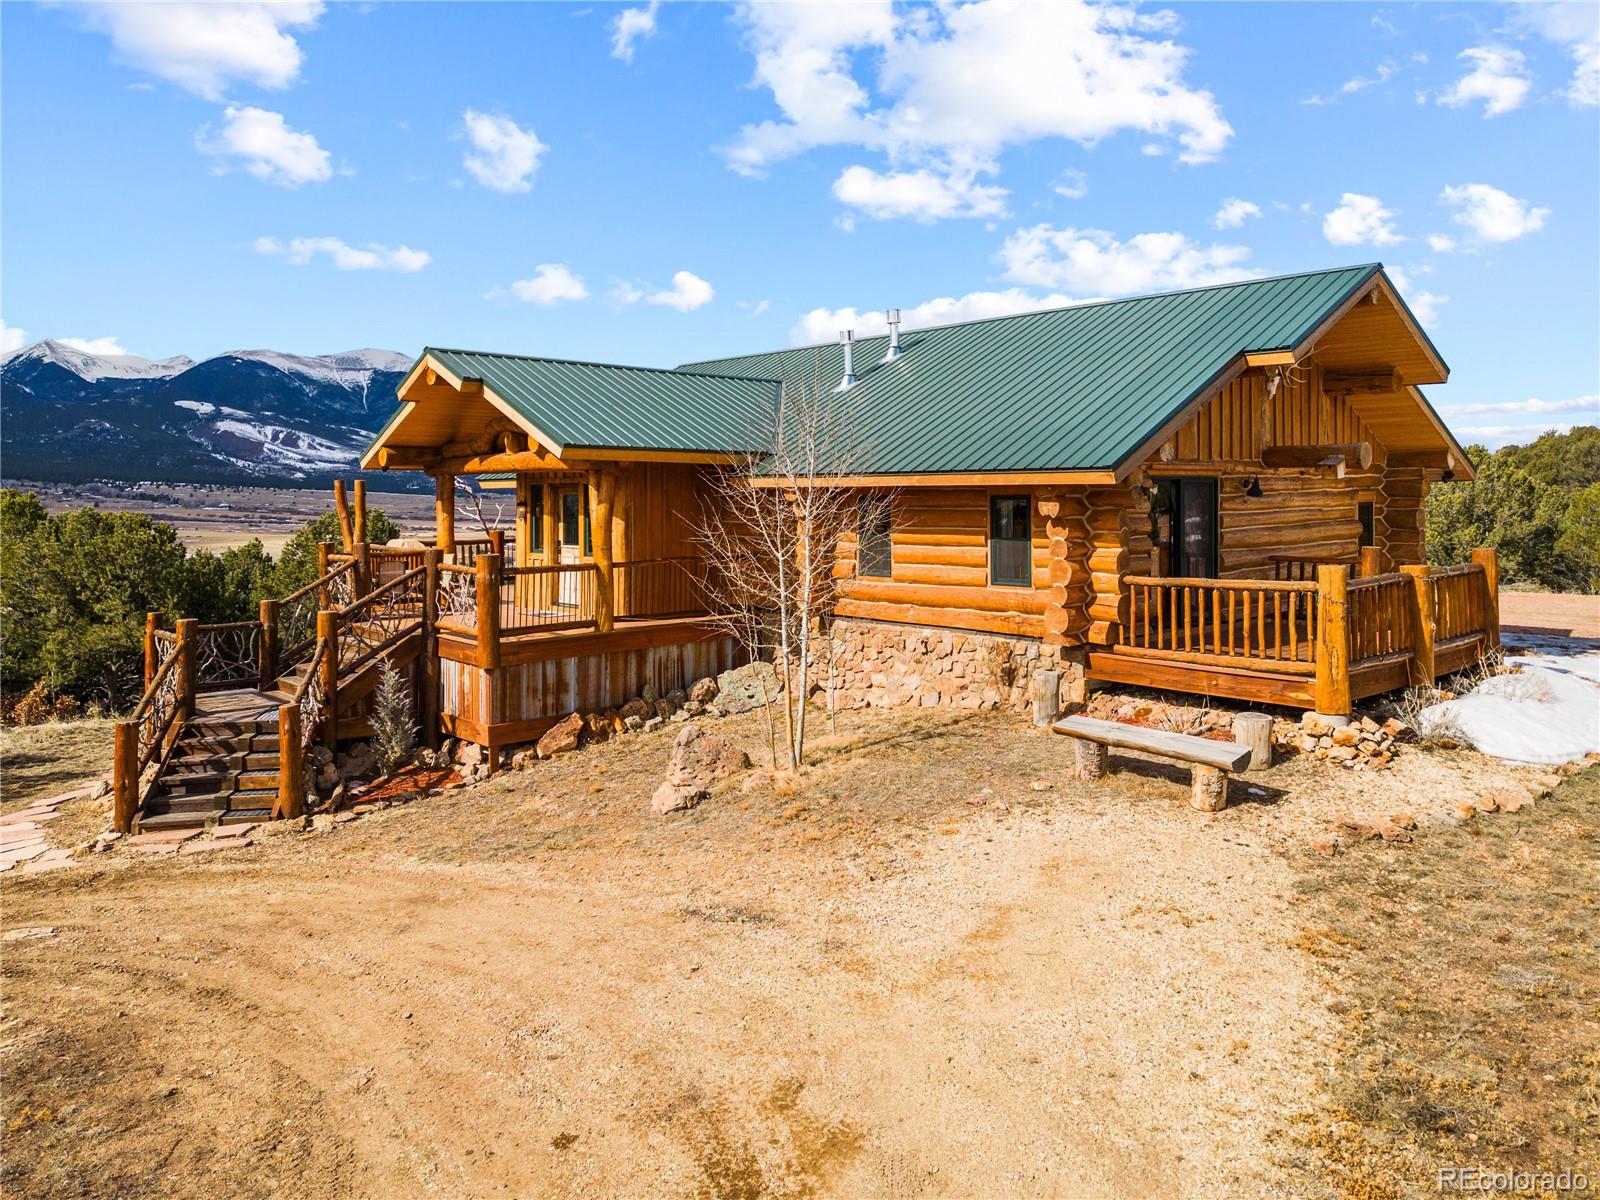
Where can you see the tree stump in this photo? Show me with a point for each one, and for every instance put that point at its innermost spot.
(1209, 791)
(1091, 759)
(1255, 731)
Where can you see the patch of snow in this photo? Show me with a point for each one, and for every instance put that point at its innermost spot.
(91, 367)
(1547, 713)
(263, 447)
(205, 410)
(353, 369)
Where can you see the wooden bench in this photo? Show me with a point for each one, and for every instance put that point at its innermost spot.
(1211, 761)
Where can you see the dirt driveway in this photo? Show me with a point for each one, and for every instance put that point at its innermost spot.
(927, 968)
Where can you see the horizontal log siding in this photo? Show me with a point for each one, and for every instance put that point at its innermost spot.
(940, 573)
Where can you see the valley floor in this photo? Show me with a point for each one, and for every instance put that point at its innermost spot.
(931, 965)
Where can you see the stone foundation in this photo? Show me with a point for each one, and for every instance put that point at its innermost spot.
(881, 665)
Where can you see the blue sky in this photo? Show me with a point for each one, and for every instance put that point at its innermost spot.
(655, 184)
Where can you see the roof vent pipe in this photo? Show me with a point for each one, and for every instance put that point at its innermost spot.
(894, 351)
(847, 339)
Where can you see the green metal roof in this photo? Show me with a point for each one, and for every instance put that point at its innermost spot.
(581, 405)
(1080, 388)
(1077, 388)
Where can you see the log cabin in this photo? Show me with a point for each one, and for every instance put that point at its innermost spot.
(1216, 491)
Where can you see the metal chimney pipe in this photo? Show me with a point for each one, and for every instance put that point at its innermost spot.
(847, 339)
(894, 350)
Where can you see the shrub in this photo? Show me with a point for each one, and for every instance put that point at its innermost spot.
(394, 733)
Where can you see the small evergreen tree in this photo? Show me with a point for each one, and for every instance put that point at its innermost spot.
(394, 733)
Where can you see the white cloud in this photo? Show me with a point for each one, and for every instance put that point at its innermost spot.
(268, 149)
(99, 345)
(922, 194)
(630, 25)
(687, 293)
(1493, 215)
(504, 157)
(1385, 71)
(1093, 262)
(1493, 437)
(203, 47)
(1360, 220)
(1577, 28)
(1441, 243)
(1585, 404)
(551, 284)
(824, 324)
(1234, 213)
(1073, 184)
(758, 309)
(12, 338)
(371, 257)
(954, 85)
(1499, 77)
(1425, 307)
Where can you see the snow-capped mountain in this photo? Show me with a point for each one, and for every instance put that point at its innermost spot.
(98, 366)
(249, 415)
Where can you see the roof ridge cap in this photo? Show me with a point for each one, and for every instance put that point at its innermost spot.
(583, 362)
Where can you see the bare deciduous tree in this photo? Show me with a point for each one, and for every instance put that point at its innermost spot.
(769, 528)
(469, 507)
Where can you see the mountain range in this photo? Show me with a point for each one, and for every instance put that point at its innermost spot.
(248, 416)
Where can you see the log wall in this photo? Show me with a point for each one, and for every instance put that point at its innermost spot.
(940, 539)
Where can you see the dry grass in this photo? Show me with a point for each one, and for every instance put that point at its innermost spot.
(41, 761)
(1463, 969)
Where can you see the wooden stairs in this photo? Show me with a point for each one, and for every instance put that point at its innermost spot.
(223, 769)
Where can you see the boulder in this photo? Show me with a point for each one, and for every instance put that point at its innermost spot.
(742, 689)
(698, 760)
(703, 691)
(636, 708)
(561, 737)
(470, 755)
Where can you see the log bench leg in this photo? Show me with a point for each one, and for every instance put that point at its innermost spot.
(1209, 788)
(1091, 760)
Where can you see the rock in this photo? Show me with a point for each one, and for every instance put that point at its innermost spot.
(1315, 725)
(670, 797)
(320, 755)
(698, 760)
(703, 691)
(1548, 781)
(1465, 812)
(681, 715)
(97, 790)
(561, 737)
(635, 708)
(741, 689)
(523, 759)
(633, 723)
(664, 709)
(1326, 844)
(1485, 804)
(1512, 802)
(106, 840)
(652, 723)
(677, 697)
(470, 755)
(1346, 735)
(1403, 820)
(649, 695)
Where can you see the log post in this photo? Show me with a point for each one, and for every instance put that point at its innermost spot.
(1208, 788)
(291, 764)
(1255, 731)
(187, 635)
(1489, 559)
(125, 776)
(360, 513)
(428, 693)
(324, 550)
(362, 583)
(488, 568)
(1427, 623)
(1046, 697)
(269, 644)
(497, 543)
(444, 512)
(1333, 643)
(152, 659)
(1371, 562)
(347, 533)
(328, 635)
(602, 490)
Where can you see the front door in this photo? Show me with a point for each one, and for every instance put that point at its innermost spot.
(1184, 513)
(569, 544)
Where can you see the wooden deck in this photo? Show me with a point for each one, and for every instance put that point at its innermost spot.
(239, 705)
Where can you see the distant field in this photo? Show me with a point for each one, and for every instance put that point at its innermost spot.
(213, 517)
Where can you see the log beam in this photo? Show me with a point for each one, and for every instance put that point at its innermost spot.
(1354, 454)
(1366, 381)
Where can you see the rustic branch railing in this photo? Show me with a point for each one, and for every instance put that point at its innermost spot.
(380, 619)
(144, 738)
(456, 596)
(1382, 617)
(1261, 623)
(227, 655)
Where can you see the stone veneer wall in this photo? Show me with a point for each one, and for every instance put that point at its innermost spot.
(880, 664)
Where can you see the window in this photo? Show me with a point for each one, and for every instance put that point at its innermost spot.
(570, 518)
(588, 532)
(874, 547)
(1364, 512)
(1010, 541)
(536, 517)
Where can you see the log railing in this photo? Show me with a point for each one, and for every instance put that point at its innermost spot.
(1382, 616)
(1263, 624)
(1458, 600)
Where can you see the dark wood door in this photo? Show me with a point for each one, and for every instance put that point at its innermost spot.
(1184, 513)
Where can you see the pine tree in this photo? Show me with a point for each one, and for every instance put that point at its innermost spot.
(394, 733)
